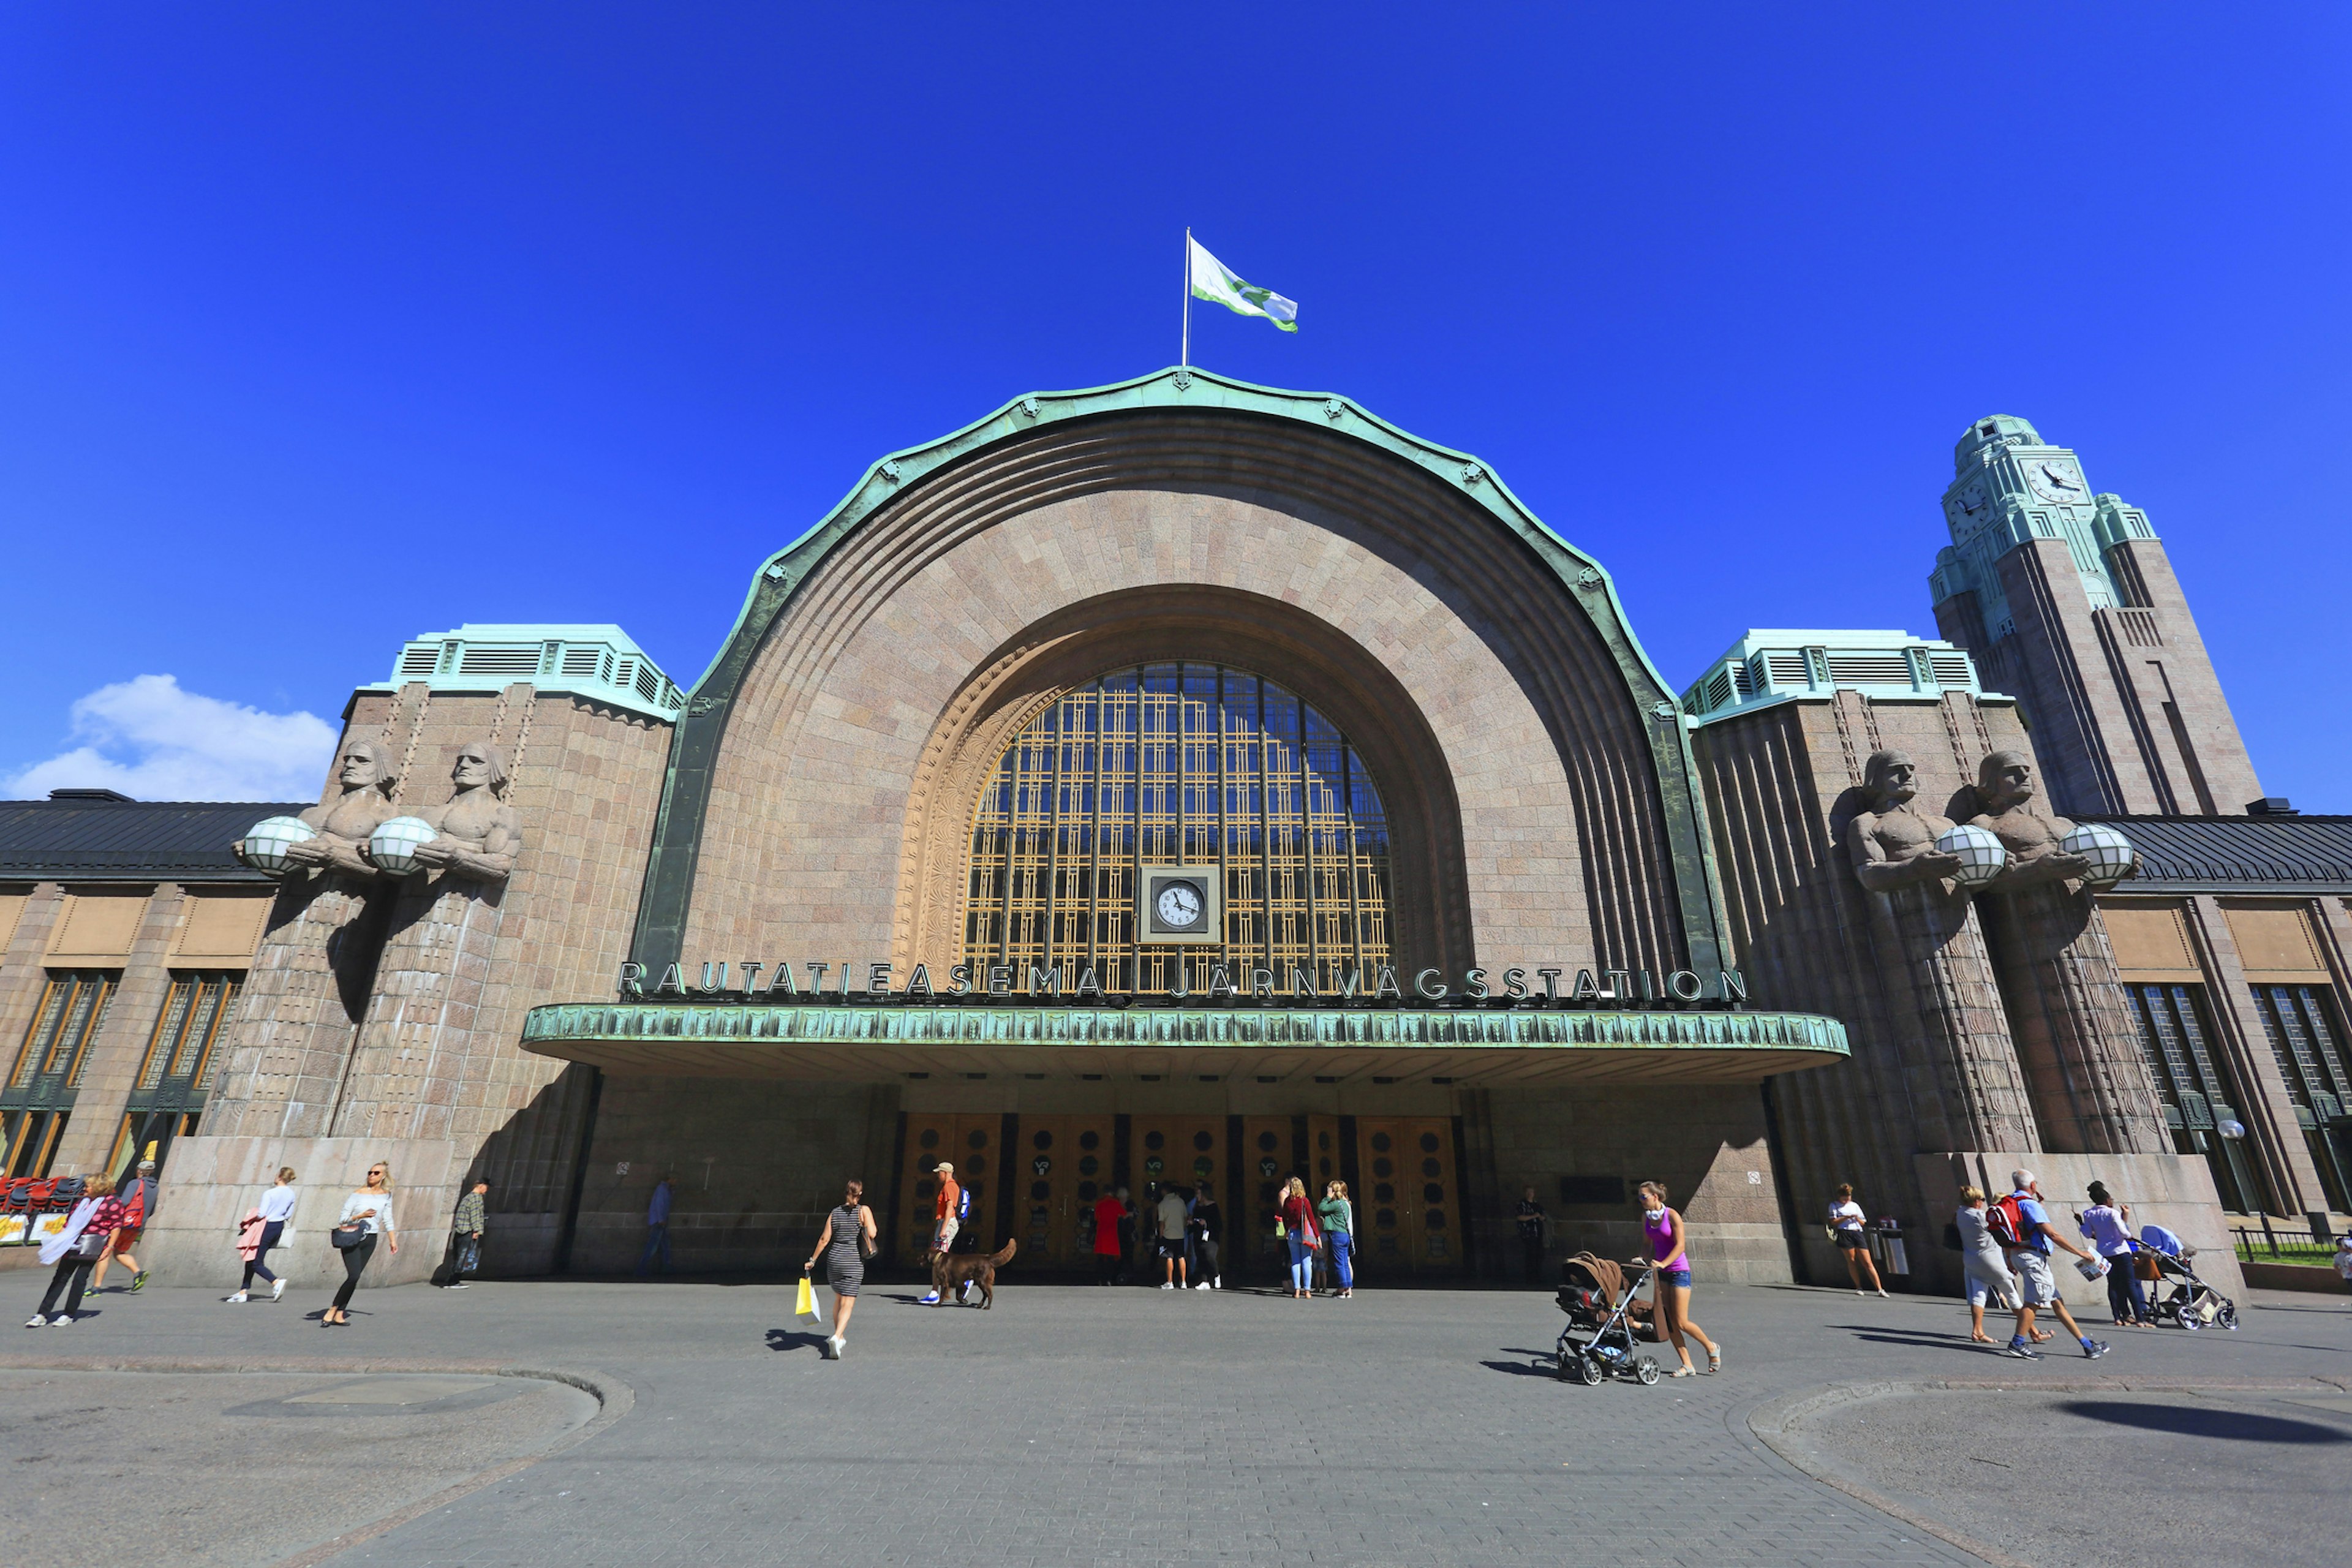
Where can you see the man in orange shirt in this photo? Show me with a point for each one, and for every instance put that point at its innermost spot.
(945, 1223)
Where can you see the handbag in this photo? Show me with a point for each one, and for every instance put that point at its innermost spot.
(89, 1247)
(805, 1302)
(349, 1233)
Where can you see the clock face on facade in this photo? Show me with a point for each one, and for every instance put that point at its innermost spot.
(1972, 501)
(2055, 481)
(1179, 903)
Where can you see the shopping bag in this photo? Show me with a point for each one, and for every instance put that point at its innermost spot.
(804, 1304)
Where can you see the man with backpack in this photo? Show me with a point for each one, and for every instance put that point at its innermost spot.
(2021, 1225)
(138, 1200)
(947, 1218)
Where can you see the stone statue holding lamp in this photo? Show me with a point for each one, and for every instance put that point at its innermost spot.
(2044, 850)
(331, 837)
(476, 835)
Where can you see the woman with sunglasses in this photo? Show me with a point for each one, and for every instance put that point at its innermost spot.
(370, 1211)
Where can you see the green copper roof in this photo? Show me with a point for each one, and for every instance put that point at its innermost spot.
(596, 662)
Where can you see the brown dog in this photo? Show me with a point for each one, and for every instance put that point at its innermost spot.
(950, 1271)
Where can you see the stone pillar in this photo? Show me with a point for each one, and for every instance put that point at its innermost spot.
(290, 1043)
(1967, 1090)
(413, 1045)
(2073, 1025)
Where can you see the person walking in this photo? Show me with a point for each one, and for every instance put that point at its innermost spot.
(1846, 1229)
(1981, 1264)
(2107, 1227)
(2027, 1248)
(1670, 1287)
(74, 1250)
(1208, 1230)
(945, 1219)
(1530, 1220)
(265, 1227)
(1110, 1214)
(1338, 1217)
(138, 1199)
(1298, 1231)
(465, 1229)
(1174, 1220)
(368, 1212)
(847, 1236)
(657, 1229)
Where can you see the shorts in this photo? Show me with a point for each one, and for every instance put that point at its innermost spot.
(128, 1237)
(1172, 1247)
(844, 1275)
(2033, 1275)
(1990, 1281)
(1677, 1278)
(947, 1229)
(1854, 1241)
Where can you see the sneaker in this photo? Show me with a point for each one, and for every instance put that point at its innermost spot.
(929, 1298)
(36, 1322)
(62, 1321)
(235, 1301)
(2021, 1350)
(1219, 1282)
(139, 1280)
(1862, 1292)
(1883, 1296)
(1168, 1284)
(276, 1289)
(2094, 1349)
(457, 1285)
(1201, 1286)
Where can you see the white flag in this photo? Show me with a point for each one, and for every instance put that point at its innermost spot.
(1212, 280)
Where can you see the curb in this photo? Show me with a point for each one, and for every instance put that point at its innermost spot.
(1772, 1421)
(615, 1399)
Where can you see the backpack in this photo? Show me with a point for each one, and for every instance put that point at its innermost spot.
(2005, 1221)
(963, 1205)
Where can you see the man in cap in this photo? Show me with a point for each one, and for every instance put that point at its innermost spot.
(945, 1223)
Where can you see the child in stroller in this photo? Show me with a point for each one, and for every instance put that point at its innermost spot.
(2192, 1303)
(1598, 1301)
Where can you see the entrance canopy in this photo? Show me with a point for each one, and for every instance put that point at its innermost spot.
(850, 1043)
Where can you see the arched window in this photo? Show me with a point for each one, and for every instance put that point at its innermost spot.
(1180, 764)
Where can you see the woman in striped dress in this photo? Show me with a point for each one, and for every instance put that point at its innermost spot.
(848, 1234)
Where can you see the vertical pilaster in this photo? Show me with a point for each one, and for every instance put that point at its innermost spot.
(1968, 1090)
(2273, 1135)
(111, 1063)
(297, 1022)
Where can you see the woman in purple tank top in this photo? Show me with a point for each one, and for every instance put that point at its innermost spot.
(1670, 1289)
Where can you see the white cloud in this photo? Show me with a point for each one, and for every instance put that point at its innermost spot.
(154, 741)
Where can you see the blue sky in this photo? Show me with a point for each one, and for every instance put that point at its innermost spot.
(322, 327)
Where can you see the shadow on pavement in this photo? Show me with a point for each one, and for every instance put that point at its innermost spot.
(1517, 1368)
(2189, 1420)
(794, 1340)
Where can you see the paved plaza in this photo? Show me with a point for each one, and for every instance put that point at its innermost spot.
(582, 1423)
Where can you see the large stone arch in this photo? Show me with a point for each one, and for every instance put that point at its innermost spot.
(810, 771)
(1429, 900)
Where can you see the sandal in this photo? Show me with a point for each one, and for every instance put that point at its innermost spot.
(1682, 1372)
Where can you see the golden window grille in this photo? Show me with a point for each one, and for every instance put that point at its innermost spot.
(193, 1015)
(1168, 762)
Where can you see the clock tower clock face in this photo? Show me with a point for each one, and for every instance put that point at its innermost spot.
(1972, 502)
(1180, 904)
(2055, 481)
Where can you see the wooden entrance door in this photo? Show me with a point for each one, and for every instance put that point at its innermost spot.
(1268, 1160)
(1409, 1209)
(969, 1143)
(1062, 1164)
(1170, 1152)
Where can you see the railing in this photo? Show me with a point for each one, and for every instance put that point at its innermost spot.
(2285, 1242)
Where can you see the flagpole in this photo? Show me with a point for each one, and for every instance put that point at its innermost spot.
(1186, 360)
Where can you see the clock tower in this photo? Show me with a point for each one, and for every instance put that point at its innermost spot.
(2069, 603)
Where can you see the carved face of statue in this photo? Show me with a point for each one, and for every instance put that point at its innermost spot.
(1898, 782)
(2005, 781)
(473, 770)
(359, 767)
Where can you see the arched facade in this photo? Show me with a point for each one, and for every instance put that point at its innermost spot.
(827, 763)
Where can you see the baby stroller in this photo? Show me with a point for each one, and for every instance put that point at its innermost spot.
(1598, 1301)
(2192, 1303)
